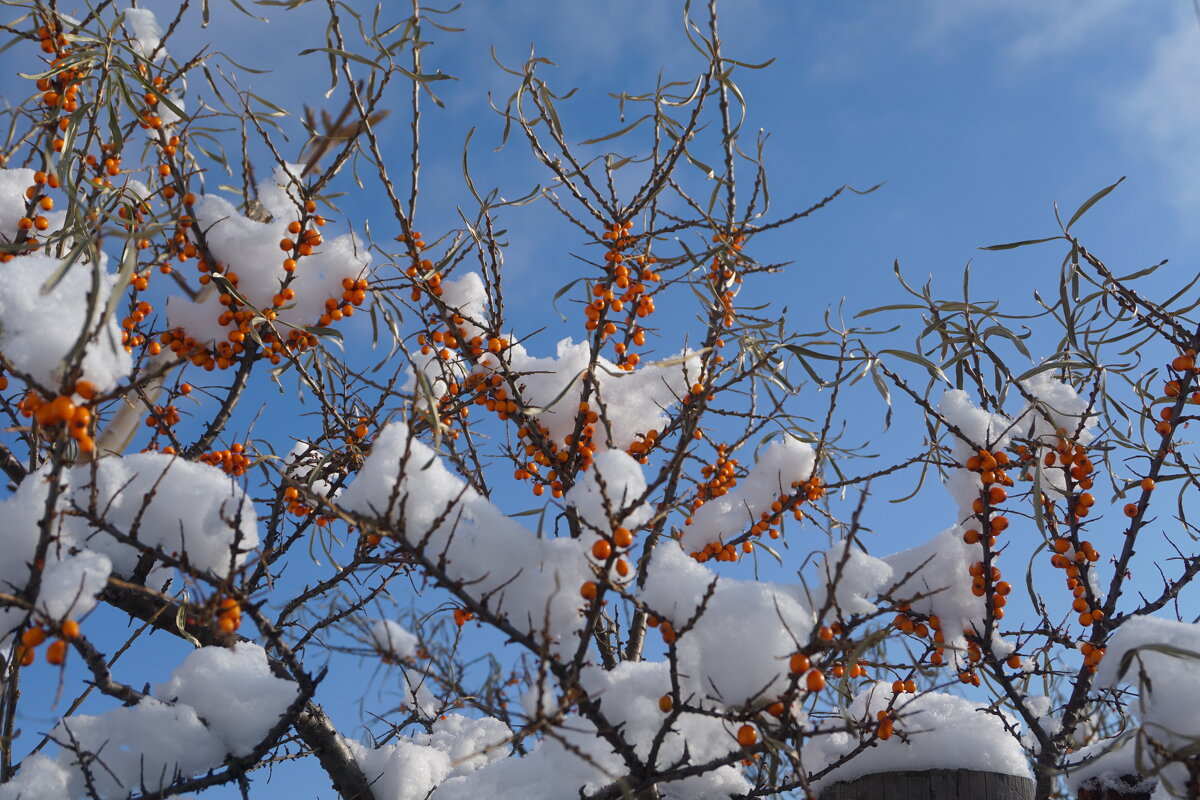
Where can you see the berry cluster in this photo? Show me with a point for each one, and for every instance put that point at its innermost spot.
(62, 413)
(233, 461)
(621, 297)
(722, 477)
(56, 652)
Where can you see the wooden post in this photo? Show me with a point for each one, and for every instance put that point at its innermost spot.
(933, 784)
(1125, 787)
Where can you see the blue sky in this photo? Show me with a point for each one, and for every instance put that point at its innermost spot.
(974, 114)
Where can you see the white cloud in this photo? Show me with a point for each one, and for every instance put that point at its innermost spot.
(1035, 29)
(1160, 111)
(1155, 110)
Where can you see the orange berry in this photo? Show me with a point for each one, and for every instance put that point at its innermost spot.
(56, 653)
(747, 736)
(601, 550)
(70, 629)
(665, 704)
(885, 729)
(815, 681)
(63, 408)
(32, 637)
(798, 664)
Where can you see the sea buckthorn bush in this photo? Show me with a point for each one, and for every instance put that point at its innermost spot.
(272, 425)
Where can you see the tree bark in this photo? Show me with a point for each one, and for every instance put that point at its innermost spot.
(933, 784)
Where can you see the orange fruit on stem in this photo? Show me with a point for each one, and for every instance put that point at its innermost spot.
(32, 637)
(747, 736)
(56, 653)
(622, 537)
